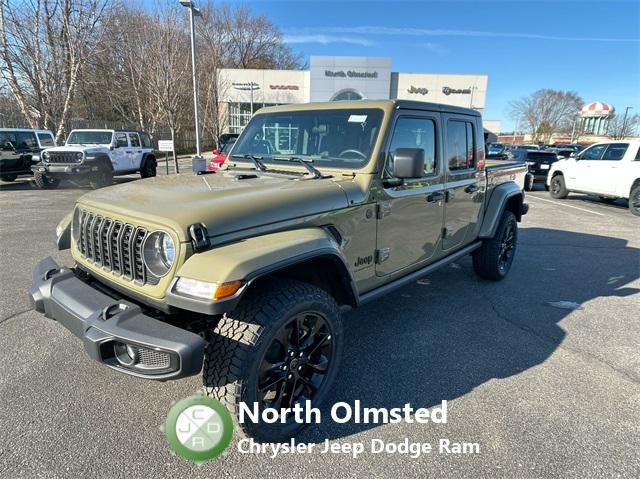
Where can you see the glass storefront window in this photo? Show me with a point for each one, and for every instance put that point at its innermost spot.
(240, 114)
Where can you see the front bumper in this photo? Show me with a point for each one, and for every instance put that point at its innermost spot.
(111, 329)
(58, 169)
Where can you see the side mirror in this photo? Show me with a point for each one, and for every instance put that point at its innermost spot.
(216, 152)
(408, 163)
(573, 155)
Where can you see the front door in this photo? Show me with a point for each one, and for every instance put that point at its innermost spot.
(120, 154)
(581, 175)
(410, 215)
(607, 173)
(463, 180)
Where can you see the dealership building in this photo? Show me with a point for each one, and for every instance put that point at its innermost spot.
(243, 91)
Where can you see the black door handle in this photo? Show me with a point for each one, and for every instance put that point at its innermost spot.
(471, 188)
(436, 197)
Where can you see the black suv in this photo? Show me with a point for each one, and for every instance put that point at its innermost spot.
(539, 162)
(18, 147)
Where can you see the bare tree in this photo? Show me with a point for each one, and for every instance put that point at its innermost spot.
(44, 45)
(546, 112)
(620, 127)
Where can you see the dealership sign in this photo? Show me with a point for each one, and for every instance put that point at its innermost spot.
(455, 91)
(349, 74)
(246, 86)
(420, 91)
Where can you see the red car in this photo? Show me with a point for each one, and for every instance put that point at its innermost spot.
(220, 156)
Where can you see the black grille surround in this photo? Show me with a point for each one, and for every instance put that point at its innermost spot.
(114, 246)
(63, 157)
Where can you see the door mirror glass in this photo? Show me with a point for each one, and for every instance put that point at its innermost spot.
(408, 163)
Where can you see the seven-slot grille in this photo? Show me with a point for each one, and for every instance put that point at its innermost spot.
(115, 246)
(63, 157)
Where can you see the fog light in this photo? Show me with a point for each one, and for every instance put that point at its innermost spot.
(125, 354)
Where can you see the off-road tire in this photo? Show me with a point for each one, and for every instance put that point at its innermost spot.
(529, 181)
(634, 200)
(487, 259)
(8, 178)
(148, 169)
(237, 345)
(45, 182)
(101, 178)
(558, 188)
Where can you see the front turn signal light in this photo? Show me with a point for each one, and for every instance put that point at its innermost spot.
(206, 290)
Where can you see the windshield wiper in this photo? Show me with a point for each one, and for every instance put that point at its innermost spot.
(306, 163)
(257, 160)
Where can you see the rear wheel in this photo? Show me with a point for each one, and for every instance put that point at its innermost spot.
(280, 347)
(45, 182)
(101, 178)
(148, 169)
(8, 177)
(558, 189)
(494, 258)
(634, 200)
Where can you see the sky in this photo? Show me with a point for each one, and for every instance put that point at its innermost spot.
(591, 47)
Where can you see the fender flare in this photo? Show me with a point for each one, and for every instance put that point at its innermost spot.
(255, 258)
(497, 203)
(146, 156)
(100, 158)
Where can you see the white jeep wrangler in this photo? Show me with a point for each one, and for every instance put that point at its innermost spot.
(96, 155)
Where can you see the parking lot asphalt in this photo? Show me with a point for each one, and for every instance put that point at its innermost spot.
(542, 370)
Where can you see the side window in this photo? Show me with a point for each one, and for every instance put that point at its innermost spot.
(593, 153)
(26, 140)
(145, 140)
(135, 141)
(121, 140)
(46, 140)
(638, 155)
(461, 151)
(615, 152)
(415, 133)
(7, 140)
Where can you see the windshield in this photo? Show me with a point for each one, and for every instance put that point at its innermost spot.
(341, 138)
(89, 138)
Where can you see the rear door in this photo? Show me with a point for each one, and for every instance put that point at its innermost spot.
(410, 216)
(463, 180)
(135, 155)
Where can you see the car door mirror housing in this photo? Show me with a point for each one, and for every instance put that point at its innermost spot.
(408, 163)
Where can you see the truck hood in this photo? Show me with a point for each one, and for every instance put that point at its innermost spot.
(224, 202)
(80, 148)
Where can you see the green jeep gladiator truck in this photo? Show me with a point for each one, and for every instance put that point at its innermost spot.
(245, 273)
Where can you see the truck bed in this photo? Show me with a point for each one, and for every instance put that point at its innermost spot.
(502, 171)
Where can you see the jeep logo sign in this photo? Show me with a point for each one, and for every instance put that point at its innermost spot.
(367, 260)
(420, 91)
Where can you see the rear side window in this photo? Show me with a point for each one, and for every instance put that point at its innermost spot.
(415, 133)
(460, 145)
(615, 152)
(7, 140)
(46, 140)
(26, 140)
(135, 141)
(146, 141)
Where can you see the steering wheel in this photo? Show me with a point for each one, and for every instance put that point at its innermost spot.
(359, 153)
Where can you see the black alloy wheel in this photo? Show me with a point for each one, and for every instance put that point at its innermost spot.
(634, 200)
(507, 248)
(295, 364)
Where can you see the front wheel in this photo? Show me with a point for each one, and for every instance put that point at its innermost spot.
(634, 200)
(101, 178)
(494, 258)
(8, 178)
(280, 347)
(45, 182)
(558, 189)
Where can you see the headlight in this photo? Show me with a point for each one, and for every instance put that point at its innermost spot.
(79, 155)
(158, 253)
(206, 290)
(45, 155)
(75, 225)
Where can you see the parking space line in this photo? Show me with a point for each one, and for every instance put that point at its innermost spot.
(566, 206)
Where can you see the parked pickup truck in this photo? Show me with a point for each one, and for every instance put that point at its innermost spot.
(96, 156)
(247, 270)
(610, 170)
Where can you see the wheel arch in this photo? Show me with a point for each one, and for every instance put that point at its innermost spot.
(506, 196)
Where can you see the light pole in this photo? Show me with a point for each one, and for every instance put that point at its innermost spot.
(194, 12)
(624, 121)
